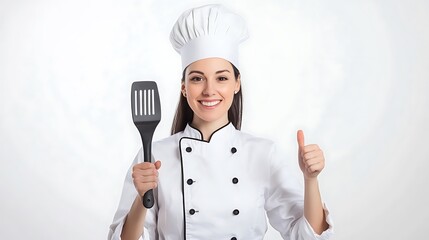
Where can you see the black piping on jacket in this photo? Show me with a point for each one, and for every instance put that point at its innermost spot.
(183, 177)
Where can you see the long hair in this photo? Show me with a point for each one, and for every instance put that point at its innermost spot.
(184, 113)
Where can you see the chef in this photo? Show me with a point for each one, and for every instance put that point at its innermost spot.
(211, 180)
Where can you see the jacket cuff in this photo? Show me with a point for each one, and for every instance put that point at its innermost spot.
(325, 234)
(115, 234)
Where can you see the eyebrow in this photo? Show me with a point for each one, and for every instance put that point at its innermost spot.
(220, 71)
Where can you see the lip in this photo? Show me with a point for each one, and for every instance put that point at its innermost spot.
(210, 103)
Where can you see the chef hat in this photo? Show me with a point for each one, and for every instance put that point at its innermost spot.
(208, 31)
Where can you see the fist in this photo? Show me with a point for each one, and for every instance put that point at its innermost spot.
(310, 157)
(145, 176)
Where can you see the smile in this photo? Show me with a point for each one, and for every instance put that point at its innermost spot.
(209, 103)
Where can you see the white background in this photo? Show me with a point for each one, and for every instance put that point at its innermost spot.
(352, 74)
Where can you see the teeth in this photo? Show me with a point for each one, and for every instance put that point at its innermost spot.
(209, 104)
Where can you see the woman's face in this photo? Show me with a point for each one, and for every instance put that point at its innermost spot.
(209, 87)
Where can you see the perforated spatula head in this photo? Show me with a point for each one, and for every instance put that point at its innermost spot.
(146, 111)
(145, 103)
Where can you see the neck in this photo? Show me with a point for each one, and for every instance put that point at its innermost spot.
(207, 128)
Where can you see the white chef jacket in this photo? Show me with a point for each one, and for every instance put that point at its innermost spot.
(220, 189)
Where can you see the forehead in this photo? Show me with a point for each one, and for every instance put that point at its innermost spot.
(209, 65)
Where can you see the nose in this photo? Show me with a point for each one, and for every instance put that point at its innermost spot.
(209, 87)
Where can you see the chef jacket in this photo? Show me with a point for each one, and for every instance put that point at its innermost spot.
(220, 189)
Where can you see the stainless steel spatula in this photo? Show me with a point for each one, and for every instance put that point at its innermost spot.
(146, 111)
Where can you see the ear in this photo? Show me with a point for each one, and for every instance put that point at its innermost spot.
(238, 84)
(183, 89)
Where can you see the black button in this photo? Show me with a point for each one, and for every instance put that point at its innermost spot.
(235, 180)
(192, 211)
(190, 181)
(233, 238)
(235, 212)
(233, 150)
(189, 149)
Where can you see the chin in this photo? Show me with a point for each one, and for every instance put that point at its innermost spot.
(208, 119)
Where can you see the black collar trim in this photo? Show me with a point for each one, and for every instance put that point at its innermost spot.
(201, 134)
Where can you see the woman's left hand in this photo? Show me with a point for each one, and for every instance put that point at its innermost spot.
(310, 158)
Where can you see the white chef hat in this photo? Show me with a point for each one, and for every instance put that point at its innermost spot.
(208, 31)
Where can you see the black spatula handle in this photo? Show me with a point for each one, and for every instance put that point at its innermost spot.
(148, 199)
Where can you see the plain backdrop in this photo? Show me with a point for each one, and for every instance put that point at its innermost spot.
(354, 75)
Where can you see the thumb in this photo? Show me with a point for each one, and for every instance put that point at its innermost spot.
(158, 165)
(300, 138)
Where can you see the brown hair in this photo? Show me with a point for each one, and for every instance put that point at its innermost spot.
(184, 113)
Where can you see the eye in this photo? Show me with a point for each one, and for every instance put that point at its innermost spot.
(223, 78)
(196, 79)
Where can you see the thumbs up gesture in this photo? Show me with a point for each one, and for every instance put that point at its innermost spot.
(310, 157)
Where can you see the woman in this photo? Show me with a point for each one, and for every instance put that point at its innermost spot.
(215, 181)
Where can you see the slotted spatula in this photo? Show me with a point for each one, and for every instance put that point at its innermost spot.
(146, 111)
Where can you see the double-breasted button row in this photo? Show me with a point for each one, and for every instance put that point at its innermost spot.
(233, 150)
(193, 211)
(190, 181)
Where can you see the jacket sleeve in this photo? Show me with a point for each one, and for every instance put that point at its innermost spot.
(285, 201)
(129, 193)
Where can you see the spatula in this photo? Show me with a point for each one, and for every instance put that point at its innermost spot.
(146, 111)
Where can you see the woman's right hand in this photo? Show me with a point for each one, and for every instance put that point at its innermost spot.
(145, 176)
